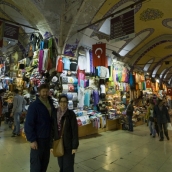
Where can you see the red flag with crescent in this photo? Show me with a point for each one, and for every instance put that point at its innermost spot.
(148, 83)
(99, 55)
(169, 91)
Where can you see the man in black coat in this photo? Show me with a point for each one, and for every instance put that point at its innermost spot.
(38, 129)
(162, 117)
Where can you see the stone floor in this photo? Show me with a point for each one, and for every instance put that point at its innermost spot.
(116, 151)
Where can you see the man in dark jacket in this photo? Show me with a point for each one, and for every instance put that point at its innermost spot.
(129, 113)
(162, 117)
(38, 129)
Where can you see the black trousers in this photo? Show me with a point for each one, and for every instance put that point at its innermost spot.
(163, 126)
(39, 158)
(66, 162)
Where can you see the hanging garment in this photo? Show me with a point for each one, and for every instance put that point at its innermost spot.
(127, 77)
(91, 62)
(45, 59)
(88, 62)
(114, 75)
(96, 97)
(59, 65)
(41, 56)
(73, 65)
(102, 89)
(80, 76)
(87, 98)
(82, 62)
(109, 61)
(66, 63)
(110, 73)
(50, 46)
(81, 97)
(131, 82)
(119, 76)
(104, 72)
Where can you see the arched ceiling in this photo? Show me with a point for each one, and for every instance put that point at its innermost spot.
(63, 18)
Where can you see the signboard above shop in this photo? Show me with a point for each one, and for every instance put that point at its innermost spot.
(9, 34)
(122, 26)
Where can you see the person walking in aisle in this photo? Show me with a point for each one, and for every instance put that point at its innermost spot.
(38, 129)
(18, 107)
(129, 114)
(162, 117)
(150, 118)
(1, 104)
(70, 135)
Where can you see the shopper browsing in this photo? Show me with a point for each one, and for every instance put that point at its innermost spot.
(129, 113)
(150, 119)
(18, 107)
(70, 134)
(38, 129)
(162, 117)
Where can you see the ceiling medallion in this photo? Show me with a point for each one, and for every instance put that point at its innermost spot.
(151, 14)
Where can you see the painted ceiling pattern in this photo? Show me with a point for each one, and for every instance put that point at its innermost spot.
(63, 18)
(151, 14)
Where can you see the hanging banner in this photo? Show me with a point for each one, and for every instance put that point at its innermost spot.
(122, 26)
(99, 55)
(148, 83)
(169, 91)
(11, 33)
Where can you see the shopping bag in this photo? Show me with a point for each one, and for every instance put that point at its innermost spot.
(58, 149)
(169, 126)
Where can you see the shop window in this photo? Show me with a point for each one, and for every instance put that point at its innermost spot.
(148, 65)
(155, 71)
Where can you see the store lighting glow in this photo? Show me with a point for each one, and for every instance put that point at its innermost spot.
(157, 80)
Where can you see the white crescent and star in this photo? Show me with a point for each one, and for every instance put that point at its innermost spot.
(98, 50)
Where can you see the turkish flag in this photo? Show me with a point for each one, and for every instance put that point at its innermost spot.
(99, 55)
(148, 83)
(169, 91)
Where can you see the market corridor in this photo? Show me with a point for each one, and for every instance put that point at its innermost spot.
(116, 151)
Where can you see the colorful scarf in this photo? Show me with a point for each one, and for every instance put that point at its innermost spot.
(60, 114)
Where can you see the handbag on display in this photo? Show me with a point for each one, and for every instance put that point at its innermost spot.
(58, 148)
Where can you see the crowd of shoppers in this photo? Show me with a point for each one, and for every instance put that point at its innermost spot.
(158, 118)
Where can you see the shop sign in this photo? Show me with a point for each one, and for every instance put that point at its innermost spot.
(122, 26)
(169, 91)
(148, 83)
(11, 33)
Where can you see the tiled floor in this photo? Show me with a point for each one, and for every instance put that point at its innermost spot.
(116, 151)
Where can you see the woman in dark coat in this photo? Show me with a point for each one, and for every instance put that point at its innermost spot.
(70, 136)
